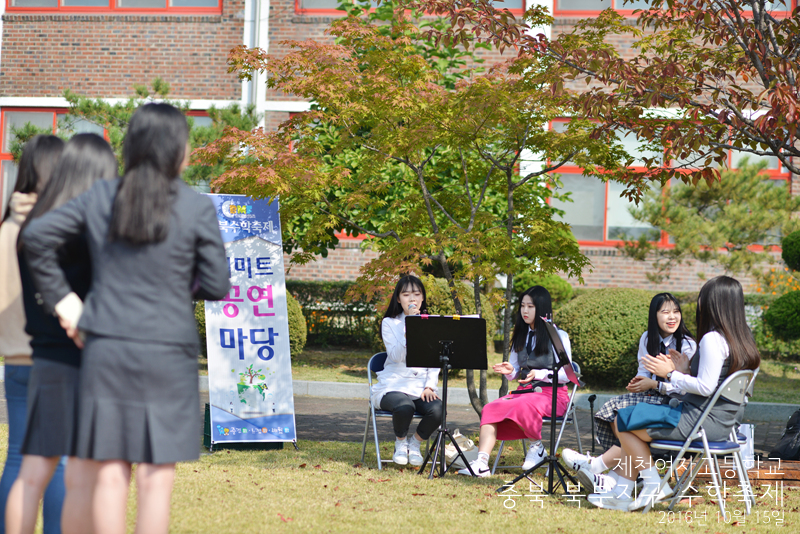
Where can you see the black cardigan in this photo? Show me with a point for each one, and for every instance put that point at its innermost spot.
(49, 341)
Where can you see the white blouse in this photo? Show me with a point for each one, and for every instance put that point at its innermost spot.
(395, 375)
(543, 375)
(688, 347)
(713, 352)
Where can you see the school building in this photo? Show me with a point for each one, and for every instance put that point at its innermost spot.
(102, 48)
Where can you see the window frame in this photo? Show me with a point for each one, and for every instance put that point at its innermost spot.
(664, 240)
(585, 13)
(335, 12)
(111, 8)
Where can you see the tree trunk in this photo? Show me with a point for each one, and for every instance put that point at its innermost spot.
(479, 398)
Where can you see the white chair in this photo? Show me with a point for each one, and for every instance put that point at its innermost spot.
(570, 417)
(375, 365)
(733, 389)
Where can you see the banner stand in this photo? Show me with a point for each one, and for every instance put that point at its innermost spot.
(247, 333)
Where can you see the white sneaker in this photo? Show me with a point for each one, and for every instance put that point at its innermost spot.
(479, 468)
(414, 455)
(594, 482)
(610, 501)
(646, 495)
(575, 460)
(536, 453)
(400, 456)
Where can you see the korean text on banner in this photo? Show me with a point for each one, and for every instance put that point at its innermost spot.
(247, 333)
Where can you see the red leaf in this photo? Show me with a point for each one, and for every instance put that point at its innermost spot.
(285, 519)
(302, 466)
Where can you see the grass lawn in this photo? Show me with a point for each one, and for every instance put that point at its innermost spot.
(322, 488)
(776, 382)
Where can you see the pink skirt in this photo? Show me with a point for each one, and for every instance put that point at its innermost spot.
(520, 416)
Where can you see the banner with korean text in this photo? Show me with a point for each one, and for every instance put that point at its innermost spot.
(247, 333)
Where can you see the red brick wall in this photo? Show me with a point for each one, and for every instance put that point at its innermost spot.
(342, 263)
(103, 55)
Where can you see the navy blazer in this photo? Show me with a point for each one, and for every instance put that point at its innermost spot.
(137, 292)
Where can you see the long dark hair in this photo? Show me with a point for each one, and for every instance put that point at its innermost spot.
(412, 281)
(654, 334)
(720, 308)
(544, 308)
(39, 157)
(86, 158)
(153, 151)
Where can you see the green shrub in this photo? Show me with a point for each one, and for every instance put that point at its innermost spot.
(783, 316)
(604, 328)
(791, 250)
(559, 289)
(330, 317)
(297, 325)
(689, 315)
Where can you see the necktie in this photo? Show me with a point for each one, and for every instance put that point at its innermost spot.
(529, 346)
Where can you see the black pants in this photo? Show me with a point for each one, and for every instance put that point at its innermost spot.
(403, 407)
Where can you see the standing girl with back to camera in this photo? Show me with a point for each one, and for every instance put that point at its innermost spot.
(403, 390)
(152, 241)
(519, 416)
(666, 334)
(725, 346)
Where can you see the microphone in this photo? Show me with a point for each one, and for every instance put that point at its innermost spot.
(674, 403)
(537, 389)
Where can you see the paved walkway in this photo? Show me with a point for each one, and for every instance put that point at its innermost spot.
(341, 419)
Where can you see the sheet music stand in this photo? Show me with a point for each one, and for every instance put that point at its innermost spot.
(554, 468)
(445, 342)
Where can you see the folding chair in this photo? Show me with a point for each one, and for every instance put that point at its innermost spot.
(733, 389)
(376, 363)
(569, 418)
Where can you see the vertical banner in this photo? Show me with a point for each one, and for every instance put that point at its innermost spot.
(247, 333)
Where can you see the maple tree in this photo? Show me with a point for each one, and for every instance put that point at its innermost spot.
(424, 160)
(701, 77)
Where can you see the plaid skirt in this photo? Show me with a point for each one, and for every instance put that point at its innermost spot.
(608, 412)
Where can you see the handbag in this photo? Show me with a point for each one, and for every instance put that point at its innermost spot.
(644, 415)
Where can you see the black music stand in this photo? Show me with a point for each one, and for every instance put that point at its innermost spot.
(445, 342)
(552, 461)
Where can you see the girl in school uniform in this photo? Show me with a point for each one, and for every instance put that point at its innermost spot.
(519, 416)
(403, 390)
(666, 334)
(36, 165)
(725, 346)
(53, 390)
(154, 244)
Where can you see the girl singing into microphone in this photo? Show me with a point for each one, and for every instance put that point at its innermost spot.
(403, 390)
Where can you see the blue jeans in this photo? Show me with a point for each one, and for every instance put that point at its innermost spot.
(16, 383)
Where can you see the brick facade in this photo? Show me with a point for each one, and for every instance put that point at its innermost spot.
(102, 55)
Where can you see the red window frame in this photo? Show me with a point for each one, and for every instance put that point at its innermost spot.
(112, 8)
(335, 12)
(663, 242)
(557, 12)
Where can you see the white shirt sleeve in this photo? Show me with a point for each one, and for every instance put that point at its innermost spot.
(393, 334)
(642, 371)
(513, 359)
(712, 352)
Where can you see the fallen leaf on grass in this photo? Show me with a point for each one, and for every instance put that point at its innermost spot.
(317, 466)
(285, 519)
(302, 465)
(338, 503)
(417, 494)
(378, 479)
(483, 511)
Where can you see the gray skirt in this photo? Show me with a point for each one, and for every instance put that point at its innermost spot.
(139, 402)
(51, 424)
(717, 425)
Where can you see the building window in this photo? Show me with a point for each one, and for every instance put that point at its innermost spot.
(600, 215)
(593, 7)
(137, 6)
(332, 6)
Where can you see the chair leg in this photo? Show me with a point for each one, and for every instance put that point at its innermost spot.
(577, 431)
(377, 444)
(497, 458)
(366, 431)
(744, 481)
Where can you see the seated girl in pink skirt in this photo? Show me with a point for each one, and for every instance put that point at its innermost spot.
(519, 416)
